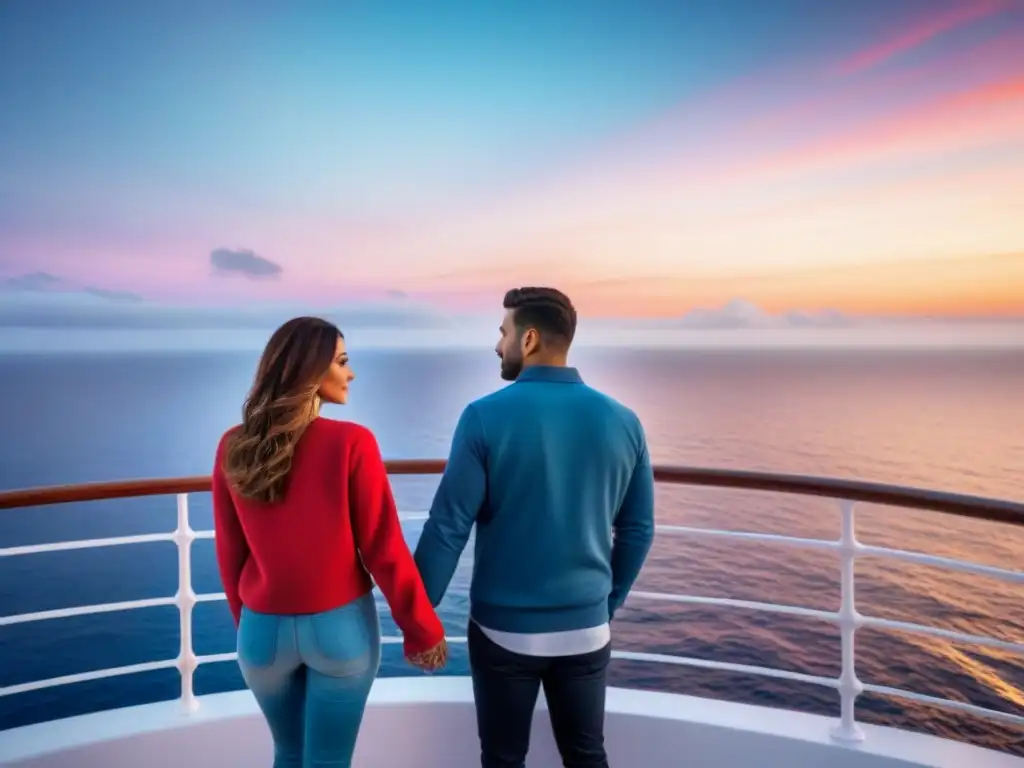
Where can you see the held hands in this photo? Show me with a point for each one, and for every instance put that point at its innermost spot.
(431, 660)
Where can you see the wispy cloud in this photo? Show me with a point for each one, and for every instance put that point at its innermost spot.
(33, 281)
(740, 314)
(46, 283)
(982, 287)
(113, 295)
(105, 309)
(949, 123)
(243, 261)
(919, 32)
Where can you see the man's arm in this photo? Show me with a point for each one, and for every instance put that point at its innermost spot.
(634, 529)
(455, 508)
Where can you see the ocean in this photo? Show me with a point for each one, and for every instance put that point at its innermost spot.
(947, 420)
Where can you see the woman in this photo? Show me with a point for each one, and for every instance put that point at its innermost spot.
(304, 517)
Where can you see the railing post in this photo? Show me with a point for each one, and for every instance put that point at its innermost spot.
(185, 599)
(850, 687)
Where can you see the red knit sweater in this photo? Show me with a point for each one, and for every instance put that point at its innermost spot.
(312, 551)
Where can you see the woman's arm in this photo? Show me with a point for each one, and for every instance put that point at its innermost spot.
(384, 550)
(232, 548)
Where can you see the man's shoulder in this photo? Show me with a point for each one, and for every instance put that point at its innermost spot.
(492, 400)
(615, 409)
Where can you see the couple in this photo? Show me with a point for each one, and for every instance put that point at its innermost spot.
(554, 475)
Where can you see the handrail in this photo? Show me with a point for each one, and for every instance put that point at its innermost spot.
(122, 489)
(847, 547)
(958, 504)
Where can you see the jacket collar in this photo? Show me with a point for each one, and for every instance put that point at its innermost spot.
(553, 373)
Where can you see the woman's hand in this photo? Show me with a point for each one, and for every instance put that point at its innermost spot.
(431, 660)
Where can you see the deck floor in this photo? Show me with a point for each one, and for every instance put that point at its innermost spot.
(430, 723)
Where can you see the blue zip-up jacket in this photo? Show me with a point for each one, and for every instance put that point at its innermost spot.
(557, 478)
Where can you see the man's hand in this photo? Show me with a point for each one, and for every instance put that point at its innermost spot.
(432, 660)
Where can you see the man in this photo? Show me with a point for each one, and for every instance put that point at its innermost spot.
(547, 468)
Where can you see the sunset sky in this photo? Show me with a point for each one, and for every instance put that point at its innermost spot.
(649, 158)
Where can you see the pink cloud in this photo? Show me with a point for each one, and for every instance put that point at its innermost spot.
(920, 32)
(989, 112)
(809, 105)
(798, 120)
(787, 112)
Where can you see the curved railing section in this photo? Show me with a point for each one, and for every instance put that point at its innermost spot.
(849, 549)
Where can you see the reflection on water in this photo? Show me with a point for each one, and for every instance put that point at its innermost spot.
(927, 419)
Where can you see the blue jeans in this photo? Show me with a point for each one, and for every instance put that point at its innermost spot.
(311, 676)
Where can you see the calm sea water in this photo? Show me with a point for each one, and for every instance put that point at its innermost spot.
(951, 421)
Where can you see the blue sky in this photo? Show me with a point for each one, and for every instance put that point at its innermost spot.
(296, 99)
(649, 157)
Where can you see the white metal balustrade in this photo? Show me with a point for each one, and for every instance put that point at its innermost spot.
(847, 618)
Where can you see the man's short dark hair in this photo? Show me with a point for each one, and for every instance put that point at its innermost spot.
(547, 310)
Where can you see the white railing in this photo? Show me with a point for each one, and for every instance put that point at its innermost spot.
(847, 618)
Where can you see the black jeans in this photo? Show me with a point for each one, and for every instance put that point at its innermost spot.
(505, 686)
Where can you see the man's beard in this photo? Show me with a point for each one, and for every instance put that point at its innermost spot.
(511, 367)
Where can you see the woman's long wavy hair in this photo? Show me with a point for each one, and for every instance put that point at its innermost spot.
(282, 402)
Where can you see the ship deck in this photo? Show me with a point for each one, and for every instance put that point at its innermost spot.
(429, 722)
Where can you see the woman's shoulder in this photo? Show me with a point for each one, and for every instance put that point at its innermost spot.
(226, 437)
(220, 455)
(341, 430)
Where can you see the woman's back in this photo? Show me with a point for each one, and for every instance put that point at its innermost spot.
(317, 547)
(302, 549)
(302, 505)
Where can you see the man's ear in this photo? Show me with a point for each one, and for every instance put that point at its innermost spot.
(531, 341)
